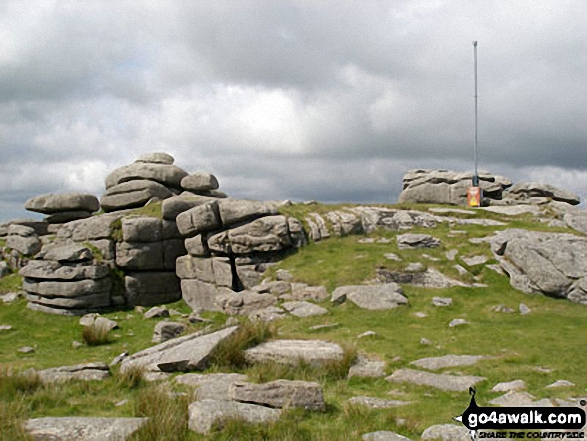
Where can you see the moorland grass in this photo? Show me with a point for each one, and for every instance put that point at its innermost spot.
(551, 336)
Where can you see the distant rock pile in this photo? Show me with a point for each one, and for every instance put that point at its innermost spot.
(447, 187)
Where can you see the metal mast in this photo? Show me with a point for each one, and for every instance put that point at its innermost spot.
(475, 176)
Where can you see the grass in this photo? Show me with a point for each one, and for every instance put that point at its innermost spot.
(551, 336)
(10, 283)
(96, 335)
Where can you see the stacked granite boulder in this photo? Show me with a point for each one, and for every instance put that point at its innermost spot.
(152, 177)
(65, 279)
(230, 243)
(447, 187)
(63, 208)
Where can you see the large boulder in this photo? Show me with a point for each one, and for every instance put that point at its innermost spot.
(82, 428)
(554, 264)
(199, 181)
(23, 239)
(56, 203)
(182, 354)
(314, 352)
(175, 205)
(280, 393)
(156, 158)
(166, 174)
(526, 191)
(132, 194)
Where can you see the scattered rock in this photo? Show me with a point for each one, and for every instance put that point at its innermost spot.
(438, 381)
(524, 309)
(391, 256)
(82, 428)
(420, 314)
(119, 358)
(377, 403)
(367, 334)
(314, 352)
(451, 254)
(76, 344)
(283, 275)
(475, 260)
(502, 308)
(367, 368)
(324, 326)
(435, 363)
(5, 327)
(461, 269)
(165, 330)
(458, 322)
(383, 435)
(446, 432)
(12, 297)
(267, 314)
(190, 352)
(157, 312)
(509, 386)
(441, 301)
(203, 415)
(560, 383)
(211, 386)
(513, 399)
(304, 309)
(280, 393)
(26, 350)
(409, 241)
(82, 372)
(373, 297)
(425, 341)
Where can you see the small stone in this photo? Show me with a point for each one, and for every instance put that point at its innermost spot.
(420, 314)
(377, 403)
(415, 267)
(157, 312)
(283, 275)
(502, 308)
(441, 301)
(524, 309)
(195, 317)
(451, 254)
(5, 327)
(475, 260)
(391, 256)
(433, 259)
(458, 322)
(446, 432)
(462, 271)
(366, 240)
(231, 321)
(367, 334)
(324, 326)
(12, 296)
(513, 398)
(383, 240)
(26, 350)
(560, 383)
(76, 344)
(367, 368)
(425, 341)
(121, 403)
(304, 309)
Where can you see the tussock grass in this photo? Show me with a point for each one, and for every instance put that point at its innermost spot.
(14, 387)
(10, 283)
(229, 354)
(96, 335)
(167, 413)
(131, 378)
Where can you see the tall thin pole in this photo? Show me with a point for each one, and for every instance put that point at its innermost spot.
(475, 176)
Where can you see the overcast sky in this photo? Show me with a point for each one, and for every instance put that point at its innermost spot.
(325, 100)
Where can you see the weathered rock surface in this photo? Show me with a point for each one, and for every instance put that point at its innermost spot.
(377, 403)
(438, 381)
(554, 264)
(132, 194)
(211, 386)
(151, 288)
(243, 302)
(435, 363)
(235, 211)
(409, 240)
(383, 435)
(83, 372)
(166, 330)
(205, 414)
(167, 174)
(429, 278)
(315, 352)
(23, 239)
(374, 297)
(304, 309)
(367, 368)
(280, 393)
(514, 385)
(56, 203)
(524, 191)
(199, 181)
(82, 428)
(181, 354)
(446, 432)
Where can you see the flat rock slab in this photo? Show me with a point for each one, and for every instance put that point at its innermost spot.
(315, 352)
(203, 415)
(280, 393)
(367, 368)
(82, 428)
(181, 354)
(373, 297)
(211, 386)
(438, 381)
(377, 403)
(83, 372)
(514, 399)
(411, 240)
(304, 309)
(447, 432)
(434, 363)
(509, 386)
(384, 435)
